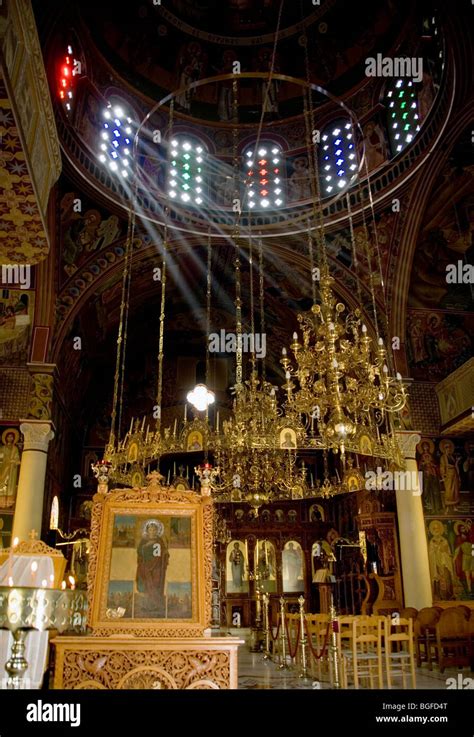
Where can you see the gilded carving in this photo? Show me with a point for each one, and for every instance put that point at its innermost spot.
(162, 502)
(145, 669)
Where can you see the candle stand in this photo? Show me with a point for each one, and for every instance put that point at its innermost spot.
(25, 608)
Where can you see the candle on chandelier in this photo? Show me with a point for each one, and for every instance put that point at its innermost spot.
(217, 421)
(72, 582)
(185, 412)
(175, 428)
(63, 585)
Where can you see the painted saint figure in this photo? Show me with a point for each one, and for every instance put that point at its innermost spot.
(463, 556)
(9, 465)
(237, 564)
(152, 562)
(431, 480)
(441, 562)
(292, 565)
(449, 471)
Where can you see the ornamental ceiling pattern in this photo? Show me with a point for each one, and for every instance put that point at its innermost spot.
(22, 235)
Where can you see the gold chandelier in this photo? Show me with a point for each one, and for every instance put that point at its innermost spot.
(341, 395)
(343, 382)
(251, 464)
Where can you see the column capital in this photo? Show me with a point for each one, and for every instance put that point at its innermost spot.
(408, 440)
(37, 434)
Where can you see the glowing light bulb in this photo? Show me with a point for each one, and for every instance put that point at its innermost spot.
(200, 397)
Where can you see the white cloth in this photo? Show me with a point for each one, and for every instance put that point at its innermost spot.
(36, 643)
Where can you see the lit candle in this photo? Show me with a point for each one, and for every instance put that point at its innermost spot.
(185, 412)
(311, 477)
(10, 556)
(44, 583)
(217, 421)
(63, 585)
(34, 568)
(72, 581)
(131, 426)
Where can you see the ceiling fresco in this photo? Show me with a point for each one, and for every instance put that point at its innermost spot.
(440, 319)
(165, 46)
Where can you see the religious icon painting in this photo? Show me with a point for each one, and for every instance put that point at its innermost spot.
(265, 566)
(137, 479)
(6, 524)
(237, 581)
(365, 445)
(288, 438)
(293, 567)
(132, 454)
(194, 441)
(9, 467)
(147, 564)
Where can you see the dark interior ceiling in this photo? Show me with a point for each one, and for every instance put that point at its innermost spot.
(147, 46)
(152, 46)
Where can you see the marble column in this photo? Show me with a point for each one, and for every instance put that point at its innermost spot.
(30, 494)
(411, 526)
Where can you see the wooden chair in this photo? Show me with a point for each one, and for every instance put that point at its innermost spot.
(363, 658)
(399, 646)
(453, 638)
(292, 632)
(425, 635)
(318, 635)
(409, 612)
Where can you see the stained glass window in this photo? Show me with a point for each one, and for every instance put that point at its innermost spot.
(68, 70)
(264, 177)
(186, 176)
(337, 158)
(402, 109)
(116, 140)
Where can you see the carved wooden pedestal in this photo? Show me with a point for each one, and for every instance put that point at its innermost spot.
(145, 663)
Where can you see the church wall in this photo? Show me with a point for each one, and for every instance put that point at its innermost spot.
(448, 505)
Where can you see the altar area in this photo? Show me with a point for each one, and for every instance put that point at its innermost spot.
(149, 591)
